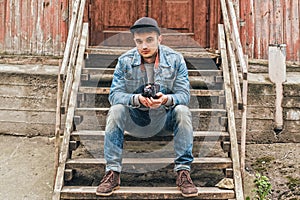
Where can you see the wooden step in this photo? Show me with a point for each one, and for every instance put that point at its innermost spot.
(200, 112)
(110, 71)
(206, 119)
(198, 136)
(88, 192)
(197, 78)
(201, 163)
(194, 92)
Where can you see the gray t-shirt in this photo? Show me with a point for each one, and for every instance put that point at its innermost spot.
(149, 67)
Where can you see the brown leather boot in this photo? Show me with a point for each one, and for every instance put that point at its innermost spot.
(109, 183)
(185, 184)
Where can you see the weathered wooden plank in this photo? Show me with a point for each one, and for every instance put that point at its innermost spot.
(234, 72)
(47, 27)
(72, 56)
(73, 192)
(198, 136)
(214, 19)
(70, 38)
(186, 52)
(294, 53)
(105, 90)
(64, 154)
(244, 124)
(195, 81)
(201, 7)
(2, 24)
(248, 26)
(58, 120)
(203, 112)
(231, 119)
(99, 71)
(203, 163)
(237, 40)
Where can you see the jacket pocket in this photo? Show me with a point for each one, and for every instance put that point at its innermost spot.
(168, 76)
(134, 86)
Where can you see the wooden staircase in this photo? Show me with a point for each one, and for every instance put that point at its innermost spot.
(86, 142)
(147, 163)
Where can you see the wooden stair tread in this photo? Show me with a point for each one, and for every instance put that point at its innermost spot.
(105, 90)
(197, 52)
(219, 110)
(197, 112)
(88, 192)
(191, 72)
(204, 162)
(198, 135)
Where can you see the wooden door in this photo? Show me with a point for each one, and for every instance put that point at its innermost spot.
(183, 22)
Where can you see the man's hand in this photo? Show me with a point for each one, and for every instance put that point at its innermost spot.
(154, 103)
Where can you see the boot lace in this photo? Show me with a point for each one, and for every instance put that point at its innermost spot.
(184, 178)
(108, 177)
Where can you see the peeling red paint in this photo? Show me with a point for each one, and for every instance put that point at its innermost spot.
(41, 27)
(33, 27)
(270, 22)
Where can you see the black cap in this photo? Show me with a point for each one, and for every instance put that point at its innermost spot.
(145, 22)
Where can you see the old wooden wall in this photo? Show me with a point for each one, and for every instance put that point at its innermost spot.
(40, 26)
(267, 22)
(36, 27)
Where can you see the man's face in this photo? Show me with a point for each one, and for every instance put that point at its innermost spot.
(147, 43)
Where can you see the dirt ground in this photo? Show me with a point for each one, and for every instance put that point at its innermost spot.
(26, 170)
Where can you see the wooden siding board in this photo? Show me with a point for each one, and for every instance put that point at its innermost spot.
(24, 27)
(200, 20)
(7, 42)
(265, 27)
(17, 26)
(214, 18)
(33, 39)
(39, 27)
(2, 23)
(55, 32)
(283, 27)
(30, 27)
(48, 26)
(295, 40)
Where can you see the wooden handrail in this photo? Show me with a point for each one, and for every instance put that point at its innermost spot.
(235, 76)
(73, 47)
(231, 119)
(233, 42)
(237, 40)
(64, 153)
(68, 47)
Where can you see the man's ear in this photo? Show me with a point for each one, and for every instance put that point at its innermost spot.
(159, 39)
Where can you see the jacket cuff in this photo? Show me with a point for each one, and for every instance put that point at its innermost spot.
(135, 100)
(170, 101)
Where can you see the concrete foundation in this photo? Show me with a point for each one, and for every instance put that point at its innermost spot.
(28, 103)
(28, 99)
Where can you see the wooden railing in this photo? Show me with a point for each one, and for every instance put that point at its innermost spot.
(68, 84)
(233, 57)
(71, 50)
(68, 123)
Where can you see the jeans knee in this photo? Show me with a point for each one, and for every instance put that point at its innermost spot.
(116, 113)
(182, 112)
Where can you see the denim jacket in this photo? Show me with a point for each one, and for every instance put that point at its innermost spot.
(171, 75)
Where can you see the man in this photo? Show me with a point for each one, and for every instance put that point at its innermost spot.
(162, 71)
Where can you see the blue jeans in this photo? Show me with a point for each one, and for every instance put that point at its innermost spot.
(144, 124)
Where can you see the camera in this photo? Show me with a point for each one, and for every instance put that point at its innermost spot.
(150, 90)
